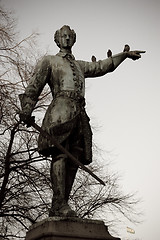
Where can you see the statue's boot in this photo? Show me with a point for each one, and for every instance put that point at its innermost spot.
(62, 178)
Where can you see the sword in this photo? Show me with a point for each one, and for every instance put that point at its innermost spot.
(63, 150)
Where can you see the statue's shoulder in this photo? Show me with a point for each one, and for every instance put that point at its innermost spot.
(47, 60)
(53, 58)
(50, 61)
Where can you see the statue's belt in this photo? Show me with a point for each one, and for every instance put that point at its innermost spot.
(71, 94)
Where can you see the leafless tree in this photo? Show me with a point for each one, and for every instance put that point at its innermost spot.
(25, 187)
(23, 197)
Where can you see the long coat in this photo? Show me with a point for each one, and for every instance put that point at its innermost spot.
(66, 78)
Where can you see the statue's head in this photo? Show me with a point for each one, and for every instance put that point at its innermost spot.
(65, 37)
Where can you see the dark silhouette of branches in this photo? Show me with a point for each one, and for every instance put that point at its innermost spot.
(92, 200)
(25, 186)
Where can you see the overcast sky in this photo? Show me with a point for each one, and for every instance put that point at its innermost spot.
(125, 103)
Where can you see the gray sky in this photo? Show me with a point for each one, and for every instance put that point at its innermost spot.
(125, 103)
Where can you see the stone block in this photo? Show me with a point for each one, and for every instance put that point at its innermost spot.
(58, 228)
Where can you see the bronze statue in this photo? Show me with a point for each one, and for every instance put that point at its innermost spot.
(66, 118)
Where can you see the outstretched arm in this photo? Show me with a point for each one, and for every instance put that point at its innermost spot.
(101, 67)
(120, 57)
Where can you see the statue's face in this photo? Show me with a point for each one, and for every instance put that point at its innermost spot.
(66, 38)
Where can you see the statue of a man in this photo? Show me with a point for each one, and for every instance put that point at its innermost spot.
(66, 117)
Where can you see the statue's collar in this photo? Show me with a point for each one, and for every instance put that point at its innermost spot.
(64, 54)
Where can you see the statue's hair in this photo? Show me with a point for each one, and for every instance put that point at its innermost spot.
(57, 35)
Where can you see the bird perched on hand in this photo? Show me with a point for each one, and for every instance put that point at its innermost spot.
(126, 48)
(109, 53)
(93, 58)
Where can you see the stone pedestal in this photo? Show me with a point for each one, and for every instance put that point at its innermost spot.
(58, 228)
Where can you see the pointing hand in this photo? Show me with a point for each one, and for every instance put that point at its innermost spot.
(134, 55)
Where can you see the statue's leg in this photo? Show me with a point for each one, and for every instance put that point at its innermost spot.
(71, 170)
(63, 172)
(75, 147)
(60, 205)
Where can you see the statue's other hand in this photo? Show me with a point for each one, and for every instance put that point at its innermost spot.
(27, 119)
(135, 55)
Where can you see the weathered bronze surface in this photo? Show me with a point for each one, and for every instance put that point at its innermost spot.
(66, 118)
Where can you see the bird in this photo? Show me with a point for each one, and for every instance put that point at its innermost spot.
(126, 48)
(109, 53)
(93, 58)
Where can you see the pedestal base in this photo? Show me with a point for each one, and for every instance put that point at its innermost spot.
(58, 228)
